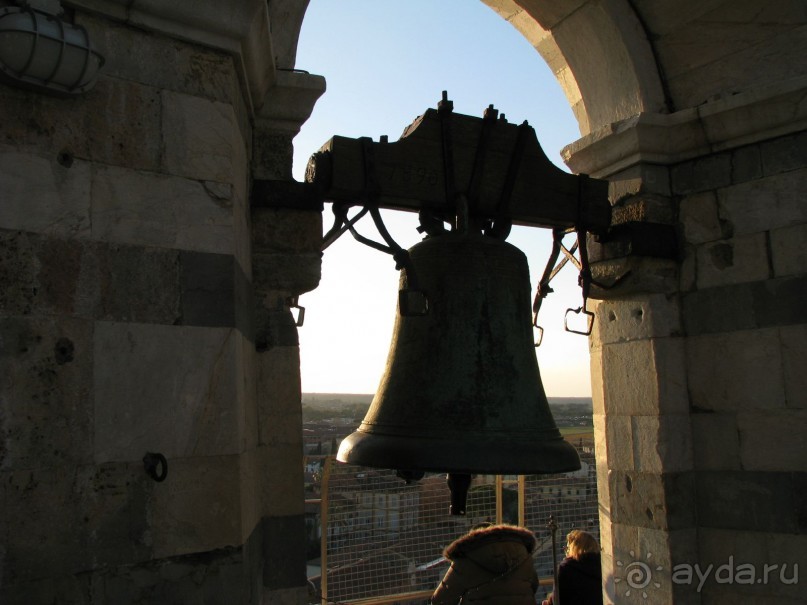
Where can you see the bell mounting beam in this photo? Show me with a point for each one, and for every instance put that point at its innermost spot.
(499, 168)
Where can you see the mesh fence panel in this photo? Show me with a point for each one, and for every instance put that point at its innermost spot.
(384, 538)
(570, 499)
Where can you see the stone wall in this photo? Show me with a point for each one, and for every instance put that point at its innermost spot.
(146, 292)
(744, 283)
(697, 363)
(128, 326)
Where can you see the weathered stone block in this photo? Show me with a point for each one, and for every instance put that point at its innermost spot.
(275, 327)
(658, 501)
(746, 164)
(36, 501)
(721, 553)
(246, 388)
(597, 383)
(280, 488)
(747, 501)
(632, 374)
(112, 510)
(288, 596)
(784, 154)
(151, 209)
(736, 371)
(127, 283)
(51, 125)
(201, 139)
(644, 574)
(295, 274)
(699, 217)
(715, 441)
(250, 483)
(286, 230)
(662, 443)
(790, 550)
(604, 494)
(639, 317)
(635, 275)
(279, 395)
(42, 195)
(242, 232)
(703, 174)
(773, 440)
(688, 269)
(273, 156)
(617, 444)
(18, 270)
(70, 589)
(624, 546)
(794, 357)
(122, 121)
(738, 260)
(152, 396)
(773, 302)
(46, 415)
(284, 567)
(87, 516)
(160, 61)
(606, 528)
(643, 178)
(88, 279)
(764, 204)
(208, 577)
(197, 508)
(207, 282)
(788, 250)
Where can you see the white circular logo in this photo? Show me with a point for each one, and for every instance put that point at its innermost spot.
(638, 575)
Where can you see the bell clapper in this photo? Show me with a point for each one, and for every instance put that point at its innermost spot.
(458, 483)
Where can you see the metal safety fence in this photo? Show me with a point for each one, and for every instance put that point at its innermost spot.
(376, 539)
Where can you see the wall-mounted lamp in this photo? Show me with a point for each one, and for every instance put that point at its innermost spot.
(45, 53)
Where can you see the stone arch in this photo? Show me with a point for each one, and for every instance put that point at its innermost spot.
(598, 52)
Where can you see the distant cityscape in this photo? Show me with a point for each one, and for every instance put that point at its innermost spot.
(395, 530)
(330, 417)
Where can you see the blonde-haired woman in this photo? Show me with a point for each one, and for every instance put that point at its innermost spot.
(580, 573)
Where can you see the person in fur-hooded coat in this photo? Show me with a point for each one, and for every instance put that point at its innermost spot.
(490, 566)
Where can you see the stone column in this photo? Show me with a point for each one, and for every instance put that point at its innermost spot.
(286, 238)
(641, 412)
(699, 405)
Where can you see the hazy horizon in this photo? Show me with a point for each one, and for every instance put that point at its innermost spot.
(313, 396)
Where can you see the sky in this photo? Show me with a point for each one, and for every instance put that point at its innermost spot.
(385, 63)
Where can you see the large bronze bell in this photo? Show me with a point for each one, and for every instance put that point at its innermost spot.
(462, 392)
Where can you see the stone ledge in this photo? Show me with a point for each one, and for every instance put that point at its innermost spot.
(727, 123)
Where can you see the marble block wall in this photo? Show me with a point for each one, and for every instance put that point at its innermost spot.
(128, 321)
(698, 372)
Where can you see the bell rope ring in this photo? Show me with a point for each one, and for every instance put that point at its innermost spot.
(156, 466)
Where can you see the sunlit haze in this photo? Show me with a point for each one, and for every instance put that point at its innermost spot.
(385, 63)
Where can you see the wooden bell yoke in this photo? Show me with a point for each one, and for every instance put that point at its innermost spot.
(445, 161)
(477, 174)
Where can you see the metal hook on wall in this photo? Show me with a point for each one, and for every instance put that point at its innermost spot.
(151, 462)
